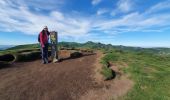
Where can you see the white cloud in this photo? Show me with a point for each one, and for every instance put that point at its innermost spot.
(102, 11)
(40, 4)
(123, 6)
(159, 7)
(23, 20)
(95, 2)
(149, 21)
(135, 22)
(57, 15)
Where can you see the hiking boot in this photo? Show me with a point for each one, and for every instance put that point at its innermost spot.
(46, 61)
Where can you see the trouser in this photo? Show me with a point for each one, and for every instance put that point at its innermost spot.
(44, 53)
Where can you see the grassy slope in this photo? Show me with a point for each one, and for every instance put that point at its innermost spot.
(150, 72)
(28, 46)
(20, 48)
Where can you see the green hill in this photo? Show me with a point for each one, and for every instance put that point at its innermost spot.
(94, 45)
(27, 46)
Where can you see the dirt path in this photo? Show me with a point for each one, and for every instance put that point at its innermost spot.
(66, 80)
(71, 79)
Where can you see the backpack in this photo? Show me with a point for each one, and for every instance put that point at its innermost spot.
(38, 37)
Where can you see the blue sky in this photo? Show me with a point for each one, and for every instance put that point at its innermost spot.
(119, 22)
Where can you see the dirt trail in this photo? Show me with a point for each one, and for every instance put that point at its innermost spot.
(66, 80)
(71, 79)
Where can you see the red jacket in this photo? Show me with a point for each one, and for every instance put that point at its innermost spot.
(44, 38)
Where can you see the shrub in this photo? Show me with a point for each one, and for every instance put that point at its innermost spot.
(75, 54)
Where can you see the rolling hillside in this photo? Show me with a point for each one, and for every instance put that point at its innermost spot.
(93, 45)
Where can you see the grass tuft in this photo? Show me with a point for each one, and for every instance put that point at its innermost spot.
(107, 73)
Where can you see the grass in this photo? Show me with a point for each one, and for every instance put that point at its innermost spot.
(106, 71)
(110, 57)
(150, 73)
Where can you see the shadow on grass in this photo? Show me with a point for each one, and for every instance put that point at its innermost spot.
(6, 60)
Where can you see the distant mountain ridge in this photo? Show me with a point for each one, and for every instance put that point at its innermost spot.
(96, 45)
(3, 47)
(89, 44)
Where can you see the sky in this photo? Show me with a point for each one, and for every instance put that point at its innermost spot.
(143, 23)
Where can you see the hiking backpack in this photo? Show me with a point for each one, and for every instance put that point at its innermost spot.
(38, 37)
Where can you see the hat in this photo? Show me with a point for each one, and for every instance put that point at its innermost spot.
(45, 27)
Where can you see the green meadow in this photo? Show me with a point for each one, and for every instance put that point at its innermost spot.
(150, 72)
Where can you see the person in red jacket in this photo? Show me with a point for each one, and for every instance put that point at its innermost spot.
(44, 36)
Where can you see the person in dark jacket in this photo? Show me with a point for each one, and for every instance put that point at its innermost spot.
(44, 36)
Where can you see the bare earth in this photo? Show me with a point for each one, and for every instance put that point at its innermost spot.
(111, 90)
(71, 79)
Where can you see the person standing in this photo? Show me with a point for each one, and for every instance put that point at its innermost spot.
(43, 37)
